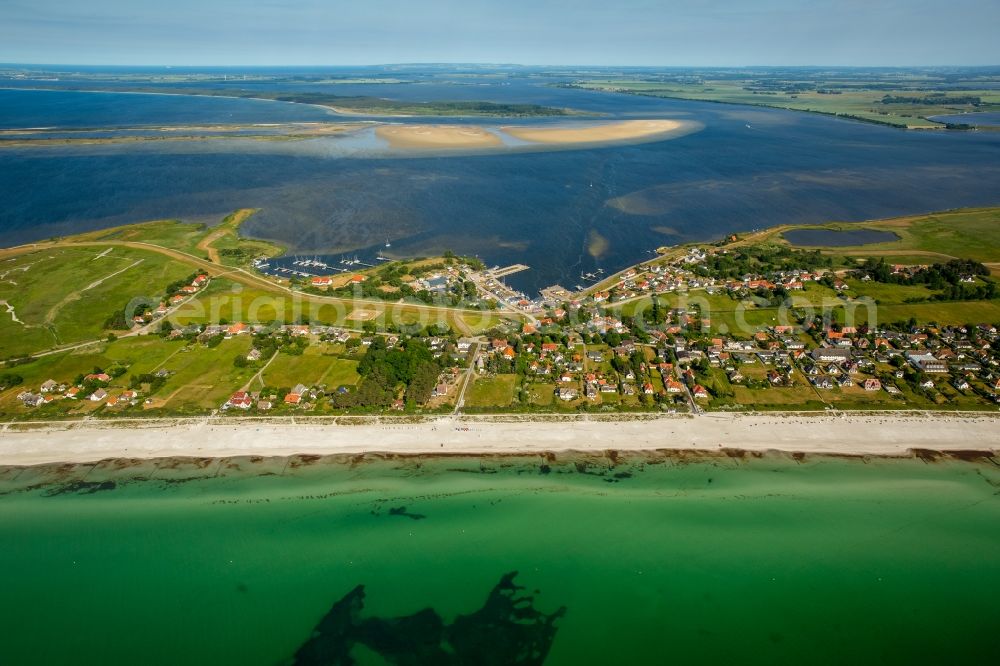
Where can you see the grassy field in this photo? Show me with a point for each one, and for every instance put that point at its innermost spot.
(497, 391)
(203, 378)
(174, 234)
(944, 313)
(863, 100)
(220, 244)
(64, 295)
(541, 394)
(229, 300)
(314, 367)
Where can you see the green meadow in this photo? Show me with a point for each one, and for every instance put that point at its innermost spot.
(319, 364)
(64, 295)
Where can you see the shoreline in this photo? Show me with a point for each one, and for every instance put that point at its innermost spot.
(843, 434)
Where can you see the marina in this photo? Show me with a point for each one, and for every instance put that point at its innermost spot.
(316, 265)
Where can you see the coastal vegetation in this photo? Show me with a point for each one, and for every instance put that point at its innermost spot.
(905, 98)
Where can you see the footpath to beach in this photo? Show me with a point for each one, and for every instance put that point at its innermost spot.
(836, 434)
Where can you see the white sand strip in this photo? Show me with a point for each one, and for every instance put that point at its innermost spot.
(847, 434)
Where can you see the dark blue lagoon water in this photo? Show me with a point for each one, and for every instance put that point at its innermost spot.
(561, 212)
(72, 109)
(977, 119)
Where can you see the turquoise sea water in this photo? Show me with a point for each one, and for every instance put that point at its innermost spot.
(655, 560)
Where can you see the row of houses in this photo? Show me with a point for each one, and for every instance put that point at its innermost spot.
(300, 396)
(45, 396)
(196, 285)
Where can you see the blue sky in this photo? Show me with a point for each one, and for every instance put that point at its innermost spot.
(546, 32)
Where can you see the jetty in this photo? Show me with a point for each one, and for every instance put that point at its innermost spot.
(497, 273)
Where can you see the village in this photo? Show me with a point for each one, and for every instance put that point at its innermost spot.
(661, 336)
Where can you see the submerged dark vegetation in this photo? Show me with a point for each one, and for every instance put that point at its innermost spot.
(507, 630)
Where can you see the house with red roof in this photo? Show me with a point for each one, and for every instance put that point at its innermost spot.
(239, 400)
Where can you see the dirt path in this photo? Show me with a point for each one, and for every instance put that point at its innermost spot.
(206, 244)
(260, 374)
(228, 226)
(467, 379)
(10, 311)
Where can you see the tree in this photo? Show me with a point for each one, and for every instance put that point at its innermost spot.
(470, 290)
(8, 379)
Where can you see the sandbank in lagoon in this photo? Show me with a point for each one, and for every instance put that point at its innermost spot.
(437, 136)
(430, 137)
(625, 130)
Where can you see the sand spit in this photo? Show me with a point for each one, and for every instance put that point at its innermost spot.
(845, 434)
(625, 130)
(437, 136)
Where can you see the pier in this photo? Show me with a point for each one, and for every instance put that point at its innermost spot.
(497, 273)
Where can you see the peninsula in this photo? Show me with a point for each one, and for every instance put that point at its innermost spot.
(166, 320)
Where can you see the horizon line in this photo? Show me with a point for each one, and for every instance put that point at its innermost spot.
(497, 64)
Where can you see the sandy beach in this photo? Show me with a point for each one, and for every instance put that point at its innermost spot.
(437, 136)
(625, 130)
(869, 434)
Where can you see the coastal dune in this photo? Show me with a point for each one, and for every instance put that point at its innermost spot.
(847, 434)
